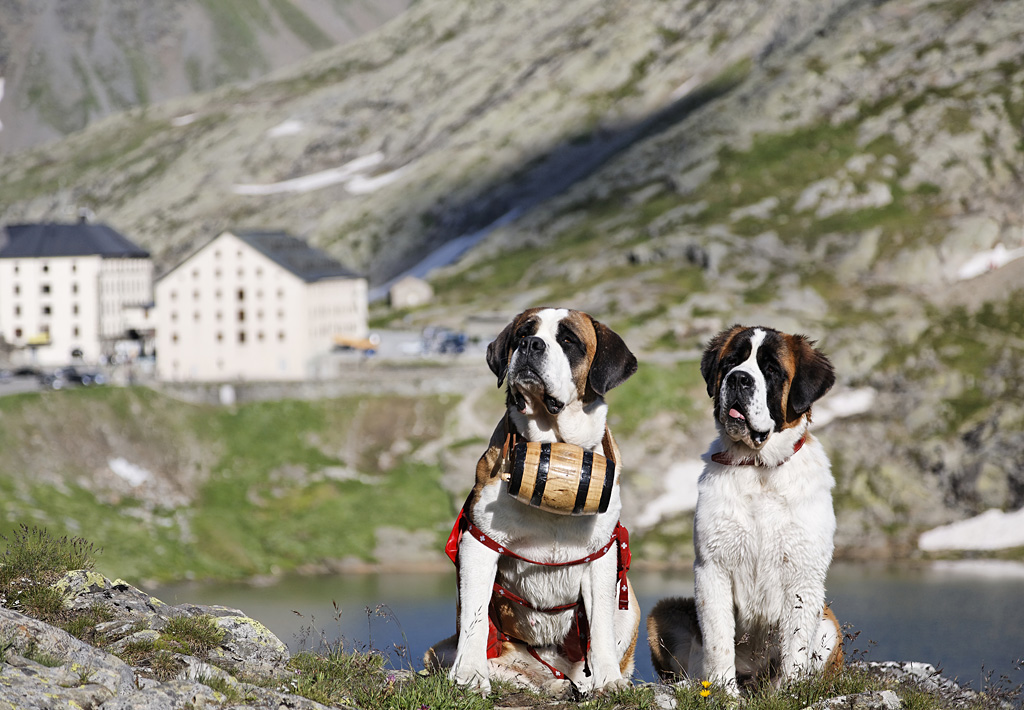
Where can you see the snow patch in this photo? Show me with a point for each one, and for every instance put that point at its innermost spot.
(126, 470)
(179, 121)
(983, 262)
(846, 403)
(990, 569)
(992, 530)
(360, 185)
(680, 494)
(324, 178)
(290, 127)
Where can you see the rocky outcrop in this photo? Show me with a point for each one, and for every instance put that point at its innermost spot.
(43, 667)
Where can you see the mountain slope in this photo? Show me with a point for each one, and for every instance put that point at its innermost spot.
(68, 63)
(849, 170)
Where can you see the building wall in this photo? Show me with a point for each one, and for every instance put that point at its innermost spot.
(56, 297)
(229, 313)
(123, 283)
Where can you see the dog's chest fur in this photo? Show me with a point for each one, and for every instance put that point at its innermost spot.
(771, 526)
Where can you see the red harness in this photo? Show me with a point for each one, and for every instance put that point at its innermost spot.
(577, 644)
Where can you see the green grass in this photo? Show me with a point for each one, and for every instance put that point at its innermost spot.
(360, 679)
(652, 390)
(266, 495)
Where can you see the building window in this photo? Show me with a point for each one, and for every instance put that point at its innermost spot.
(17, 290)
(259, 336)
(219, 316)
(17, 331)
(195, 273)
(16, 269)
(280, 335)
(47, 310)
(216, 274)
(220, 337)
(195, 316)
(174, 337)
(74, 288)
(17, 310)
(174, 295)
(174, 316)
(74, 331)
(241, 294)
(241, 316)
(241, 337)
(46, 268)
(46, 288)
(74, 309)
(195, 295)
(217, 294)
(74, 268)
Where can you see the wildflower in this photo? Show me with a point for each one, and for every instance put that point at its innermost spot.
(706, 690)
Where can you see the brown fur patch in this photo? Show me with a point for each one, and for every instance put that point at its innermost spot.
(672, 628)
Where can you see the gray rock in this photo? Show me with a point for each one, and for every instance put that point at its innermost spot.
(27, 685)
(883, 700)
(171, 695)
(25, 634)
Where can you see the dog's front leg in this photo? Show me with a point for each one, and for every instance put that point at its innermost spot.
(714, 598)
(600, 598)
(478, 566)
(801, 626)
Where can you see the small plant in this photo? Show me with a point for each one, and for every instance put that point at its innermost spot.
(198, 635)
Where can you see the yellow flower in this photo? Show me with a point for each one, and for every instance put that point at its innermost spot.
(707, 688)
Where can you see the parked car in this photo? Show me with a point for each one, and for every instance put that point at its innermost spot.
(67, 376)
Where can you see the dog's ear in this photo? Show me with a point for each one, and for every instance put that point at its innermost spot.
(814, 377)
(712, 355)
(497, 351)
(613, 362)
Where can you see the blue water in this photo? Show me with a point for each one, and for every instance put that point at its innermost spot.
(965, 623)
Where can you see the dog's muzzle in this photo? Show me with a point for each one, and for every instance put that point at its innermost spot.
(531, 351)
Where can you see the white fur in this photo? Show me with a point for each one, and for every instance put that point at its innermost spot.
(545, 537)
(764, 539)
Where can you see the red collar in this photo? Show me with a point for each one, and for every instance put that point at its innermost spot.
(726, 460)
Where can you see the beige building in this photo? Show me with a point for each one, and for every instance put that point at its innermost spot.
(65, 290)
(254, 306)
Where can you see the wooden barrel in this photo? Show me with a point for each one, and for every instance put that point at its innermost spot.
(560, 478)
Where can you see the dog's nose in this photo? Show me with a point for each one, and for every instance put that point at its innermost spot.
(742, 379)
(533, 345)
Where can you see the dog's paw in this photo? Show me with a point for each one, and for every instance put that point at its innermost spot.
(612, 686)
(474, 681)
(561, 689)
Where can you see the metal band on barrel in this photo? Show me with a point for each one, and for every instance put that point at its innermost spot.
(584, 488)
(609, 481)
(542, 475)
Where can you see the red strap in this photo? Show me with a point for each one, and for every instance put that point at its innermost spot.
(625, 557)
(577, 644)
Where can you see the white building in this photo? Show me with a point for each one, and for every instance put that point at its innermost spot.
(64, 289)
(254, 306)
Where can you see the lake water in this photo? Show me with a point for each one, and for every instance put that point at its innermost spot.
(960, 617)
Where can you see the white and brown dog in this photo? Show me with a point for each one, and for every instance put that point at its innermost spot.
(764, 524)
(530, 581)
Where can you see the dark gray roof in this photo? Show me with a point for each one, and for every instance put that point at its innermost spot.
(26, 241)
(308, 263)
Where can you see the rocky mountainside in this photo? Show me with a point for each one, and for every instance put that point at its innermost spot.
(66, 63)
(849, 170)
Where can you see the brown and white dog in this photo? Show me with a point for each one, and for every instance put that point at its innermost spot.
(764, 524)
(559, 364)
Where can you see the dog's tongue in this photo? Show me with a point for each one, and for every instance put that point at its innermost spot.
(736, 415)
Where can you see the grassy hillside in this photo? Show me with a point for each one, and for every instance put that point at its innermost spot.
(231, 493)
